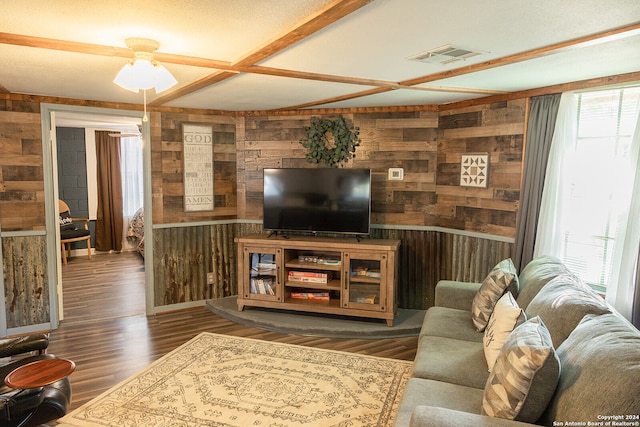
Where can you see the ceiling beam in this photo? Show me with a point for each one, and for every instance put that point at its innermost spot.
(593, 39)
(225, 69)
(192, 87)
(101, 50)
(590, 84)
(336, 99)
(618, 80)
(598, 38)
(321, 19)
(313, 23)
(326, 16)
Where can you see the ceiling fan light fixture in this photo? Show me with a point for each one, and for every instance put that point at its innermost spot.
(163, 78)
(126, 78)
(144, 73)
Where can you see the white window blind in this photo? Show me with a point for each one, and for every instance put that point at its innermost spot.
(600, 181)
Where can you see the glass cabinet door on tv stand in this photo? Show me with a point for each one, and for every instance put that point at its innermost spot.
(364, 273)
(262, 278)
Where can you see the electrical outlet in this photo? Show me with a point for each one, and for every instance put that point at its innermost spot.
(210, 278)
(396, 174)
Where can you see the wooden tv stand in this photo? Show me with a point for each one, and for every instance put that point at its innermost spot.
(342, 276)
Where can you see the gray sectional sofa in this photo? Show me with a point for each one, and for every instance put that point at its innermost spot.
(571, 359)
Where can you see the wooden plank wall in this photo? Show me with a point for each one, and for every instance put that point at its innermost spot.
(21, 167)
(497, 129)
(24, 262)
(428, 145)
(24, 259)
(388, 140)
(168, 168)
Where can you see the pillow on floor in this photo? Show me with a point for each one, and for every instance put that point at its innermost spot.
(525, 375)
(504, 319)
(501, 279)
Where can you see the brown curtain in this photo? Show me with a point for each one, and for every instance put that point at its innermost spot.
(110, 216)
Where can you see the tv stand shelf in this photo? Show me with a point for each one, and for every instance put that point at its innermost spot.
(330, 275)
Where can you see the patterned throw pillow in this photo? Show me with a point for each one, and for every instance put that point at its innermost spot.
(524, 376)
(66, 223)
(504, 319)
(501, 279)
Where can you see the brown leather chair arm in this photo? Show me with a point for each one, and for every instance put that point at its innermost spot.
(25, 344)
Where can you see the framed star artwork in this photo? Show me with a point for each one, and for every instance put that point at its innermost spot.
(474, 170)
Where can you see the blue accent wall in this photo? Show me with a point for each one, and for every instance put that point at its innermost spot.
(72, 176)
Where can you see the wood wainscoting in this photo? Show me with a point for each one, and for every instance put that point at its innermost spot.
(26, 280)
(183, 256)
(427, 257)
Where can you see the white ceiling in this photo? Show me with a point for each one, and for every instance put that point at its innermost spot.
(365, 49)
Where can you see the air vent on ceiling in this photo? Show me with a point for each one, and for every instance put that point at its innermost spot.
(444, 55)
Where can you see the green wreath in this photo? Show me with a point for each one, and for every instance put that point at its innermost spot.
(321, 149)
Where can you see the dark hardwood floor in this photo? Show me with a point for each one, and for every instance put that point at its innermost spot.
(106, 333)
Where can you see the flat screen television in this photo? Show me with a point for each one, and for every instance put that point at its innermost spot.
(327, 200)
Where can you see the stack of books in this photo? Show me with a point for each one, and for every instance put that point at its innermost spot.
(367, 272)
(329, 261)
(313, 259)
(309, 277)
(263, 286)
(318, 296)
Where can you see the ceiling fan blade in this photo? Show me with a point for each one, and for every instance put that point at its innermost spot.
(124, 135)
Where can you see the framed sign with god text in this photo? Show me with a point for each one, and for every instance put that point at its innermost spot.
(198, 167)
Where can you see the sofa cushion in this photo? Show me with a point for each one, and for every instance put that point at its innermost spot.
(432, 416)
(600, 371)
(419, 391)
(525, 375)
(562, 304)
(455, 294)
(535, 275)
(504, 319)
(501, 279)
(449, 323)
(450, 360)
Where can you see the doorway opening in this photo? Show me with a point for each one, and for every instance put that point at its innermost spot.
(72, 178)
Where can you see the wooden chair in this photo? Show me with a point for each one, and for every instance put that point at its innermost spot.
(70, 232)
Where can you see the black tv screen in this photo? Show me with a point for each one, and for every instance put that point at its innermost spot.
(317, 200)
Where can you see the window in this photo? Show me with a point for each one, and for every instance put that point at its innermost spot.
(599, 181)
(132, 177)
(132, 184)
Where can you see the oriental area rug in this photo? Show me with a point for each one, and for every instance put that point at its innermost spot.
(220, 380)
